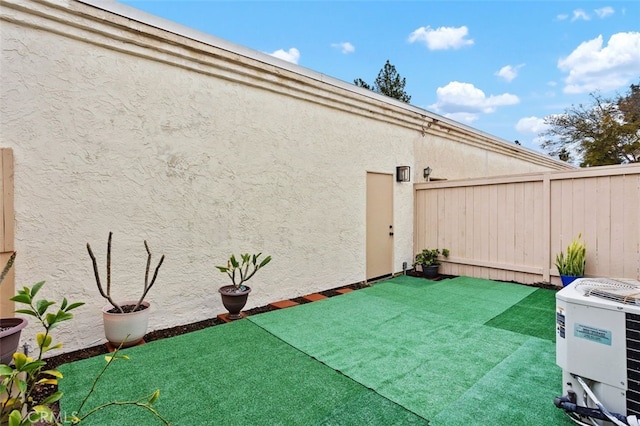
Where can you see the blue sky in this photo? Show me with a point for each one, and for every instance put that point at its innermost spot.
(498, 66)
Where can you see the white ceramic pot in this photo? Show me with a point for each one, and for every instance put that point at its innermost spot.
(129, 328)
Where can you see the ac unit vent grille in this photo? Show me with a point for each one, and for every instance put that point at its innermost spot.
(619, 290)
(633, 363)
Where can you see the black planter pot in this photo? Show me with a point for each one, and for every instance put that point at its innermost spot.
(430, 271)
(234, 300)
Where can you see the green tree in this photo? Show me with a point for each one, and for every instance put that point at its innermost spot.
(605, 132)
(387, 83)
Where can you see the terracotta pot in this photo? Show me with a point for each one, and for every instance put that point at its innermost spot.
(127, 329)
(234, 300)
(10, 339)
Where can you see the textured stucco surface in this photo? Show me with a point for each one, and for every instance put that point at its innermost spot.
(112, 130)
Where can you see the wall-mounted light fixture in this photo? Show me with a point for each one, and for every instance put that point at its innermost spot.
(403, 174)
(427, 172)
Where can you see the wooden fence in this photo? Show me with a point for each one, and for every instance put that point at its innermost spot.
(7, 289)
(511, 228)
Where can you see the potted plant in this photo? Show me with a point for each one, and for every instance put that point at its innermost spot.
(125, 323)
(428, 261)
(235, 296)
(572, 263)
(10, 328)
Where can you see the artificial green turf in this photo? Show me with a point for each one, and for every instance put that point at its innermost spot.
(462, 298)
(233, 374)
(518, 391)
(421, 344)
(400, 352)
(533, 316)
(404, 359)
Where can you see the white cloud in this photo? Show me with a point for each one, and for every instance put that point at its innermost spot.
(509, 72)
(292, 55)
(442, 38)
(604, 12)
(533, 125)
(562, 17)
(345, 47)
(580, 14)
(592, 66)
(464, 102)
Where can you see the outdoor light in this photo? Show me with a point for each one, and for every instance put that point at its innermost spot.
(403, 174)
(427, 172)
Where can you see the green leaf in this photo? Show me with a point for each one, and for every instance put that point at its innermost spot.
(21, 385)
(56, 346)
(22, 298)
(36, 288)
(34, 365)
(42, 305)
(5, 370)
(19, 360)
(233, 261)
(50, 319)
(53, 398)
(64, 303)
(54, 373)
(43, 339)
(155, 396)
(74, 305)
(14, 418)
(63, 316)
(44, 413)
(26, 312)
(265, 261)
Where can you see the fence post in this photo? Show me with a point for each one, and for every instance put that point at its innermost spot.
(7, 232)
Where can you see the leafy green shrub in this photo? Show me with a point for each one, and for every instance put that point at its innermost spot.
(429, 257)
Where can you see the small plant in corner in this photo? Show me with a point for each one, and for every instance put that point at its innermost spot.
(234, 296)
(572, 262)
(429, 257)
(428, 261)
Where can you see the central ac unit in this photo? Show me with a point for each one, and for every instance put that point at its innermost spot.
(598, 349)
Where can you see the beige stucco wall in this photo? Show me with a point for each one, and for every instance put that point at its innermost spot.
(202, 151)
